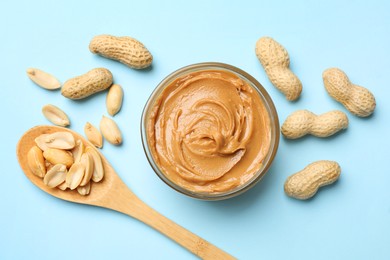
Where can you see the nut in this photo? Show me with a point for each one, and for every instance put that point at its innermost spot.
(63, 186)
(43, 79)
(303, 122)
(87, 161)
(304, 184)
(358, 100)
(78, 151)
(98, 170)
(114, 99)
(36, 162)
(48, 165)
(55, 115)
(84, 163)
(110, 130)
(58, 140)
(75, 175)
(85, 85)
(93, 135)
(276, 62)
(126, 50)
(55, 176)
(84, 190)
(57, 156)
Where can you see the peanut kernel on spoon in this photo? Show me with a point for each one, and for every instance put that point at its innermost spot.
(58, 156)
(78, 151)
(87, 161)
(98, 169)
(84, 190)
(36, 162)
(59, 140)
(63, 186)
(55, 176)
(75, 175)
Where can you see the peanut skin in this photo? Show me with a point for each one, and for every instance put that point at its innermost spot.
(276, 62)
(305, 184)
(358, 100)
(93, 81)
(126, 50)
(303, 122)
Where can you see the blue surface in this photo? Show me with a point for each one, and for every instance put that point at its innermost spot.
(348, 220)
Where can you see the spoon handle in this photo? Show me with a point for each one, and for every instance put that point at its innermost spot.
(127, 202)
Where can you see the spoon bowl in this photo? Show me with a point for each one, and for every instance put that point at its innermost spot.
(113, 194)
(98, 190)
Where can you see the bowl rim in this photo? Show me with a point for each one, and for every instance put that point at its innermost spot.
(267, 102)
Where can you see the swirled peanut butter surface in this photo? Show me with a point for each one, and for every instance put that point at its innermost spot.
(209, 131)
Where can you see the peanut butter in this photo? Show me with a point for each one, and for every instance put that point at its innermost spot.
(209, 131)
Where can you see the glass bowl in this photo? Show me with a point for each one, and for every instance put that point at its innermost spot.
(264, 97)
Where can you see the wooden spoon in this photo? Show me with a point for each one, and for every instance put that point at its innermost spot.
(113, 194)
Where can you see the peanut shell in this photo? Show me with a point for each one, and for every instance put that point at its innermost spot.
(93, 81)
(276, 62)
(126, 50)
(358, 100)
(305, 183)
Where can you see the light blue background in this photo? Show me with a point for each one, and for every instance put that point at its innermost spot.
(348, 220)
